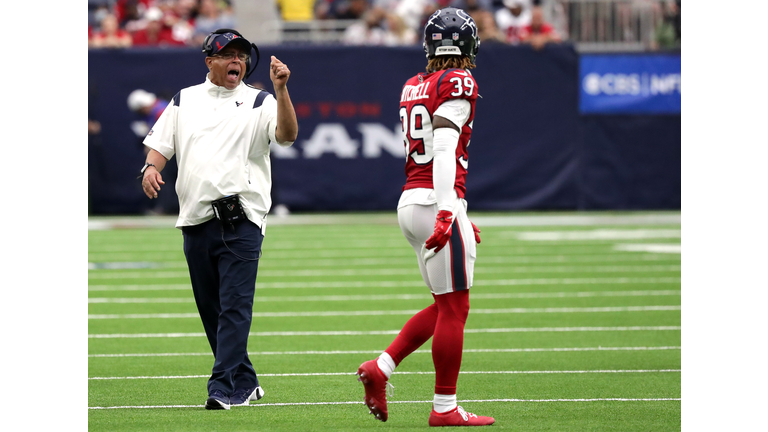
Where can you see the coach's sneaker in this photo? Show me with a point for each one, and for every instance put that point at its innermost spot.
(243, 397)
(458, 417)
(216, 401)
(375, 383)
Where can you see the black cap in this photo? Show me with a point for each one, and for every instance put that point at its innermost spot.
(217, 42)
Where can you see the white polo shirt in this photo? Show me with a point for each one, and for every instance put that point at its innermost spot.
(221, 141)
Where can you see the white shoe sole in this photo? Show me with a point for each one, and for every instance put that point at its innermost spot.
(256, 395)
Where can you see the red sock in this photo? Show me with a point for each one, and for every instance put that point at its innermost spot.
(448, 340)
(416, 331)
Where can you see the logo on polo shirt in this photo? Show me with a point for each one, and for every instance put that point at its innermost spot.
(238, 103)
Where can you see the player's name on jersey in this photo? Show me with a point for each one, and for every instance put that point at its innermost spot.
(416, 92)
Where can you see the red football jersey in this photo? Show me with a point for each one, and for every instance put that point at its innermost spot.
(420, 98)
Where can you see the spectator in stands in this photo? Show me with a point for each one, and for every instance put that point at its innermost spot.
(668, 31)
(130, 16)
(379, 27)
(296, 10)
(487, 30)
(181, 19)
(415, 13)
(510, 19)
(322, 9)
(130, 13)
(538, 33)
(470, 6)
(398, 32)
(156, 33)
(369, 31)
(210, 19)
(110, 35)
(96, 13)
(341, 9)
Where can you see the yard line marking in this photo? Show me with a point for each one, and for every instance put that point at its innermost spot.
(402, 284)
(154, 287)
(95, 300)
(387, 244)
(109, 263)
(598, 234)
(532, 249)
(389, 332)
(597, 371)
(578, 220)
(486, 296)
(395, 240)
(419, 351)
(395, 271)
(646, 247)
(399, 402)
(655, 218)
(402, 312)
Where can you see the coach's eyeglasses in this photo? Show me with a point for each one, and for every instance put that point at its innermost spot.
(230, 55)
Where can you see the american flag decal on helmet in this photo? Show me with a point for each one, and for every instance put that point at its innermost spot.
(437, 36)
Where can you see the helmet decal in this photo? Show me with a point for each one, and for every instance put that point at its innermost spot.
(451, 31)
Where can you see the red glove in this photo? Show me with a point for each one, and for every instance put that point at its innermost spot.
(443, 224)
(477, 231)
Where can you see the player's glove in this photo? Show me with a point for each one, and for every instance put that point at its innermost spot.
(443, 224)
(476, 230)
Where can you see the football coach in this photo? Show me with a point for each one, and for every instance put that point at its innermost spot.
(220, 132)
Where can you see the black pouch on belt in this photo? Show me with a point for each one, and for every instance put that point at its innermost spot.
(228, 210)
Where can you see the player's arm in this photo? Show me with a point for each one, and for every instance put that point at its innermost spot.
(446, 126)
(287, 127)
(444, 143)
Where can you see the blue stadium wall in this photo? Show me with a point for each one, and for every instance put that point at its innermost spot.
(531, 149)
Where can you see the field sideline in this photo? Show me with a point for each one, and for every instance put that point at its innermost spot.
(575, 324)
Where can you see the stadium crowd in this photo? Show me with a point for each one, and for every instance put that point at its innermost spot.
(180, 23)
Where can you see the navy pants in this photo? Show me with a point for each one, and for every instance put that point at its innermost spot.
(223, 263)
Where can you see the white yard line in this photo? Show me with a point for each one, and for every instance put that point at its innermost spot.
(652, 248)
(403, 284)
(598, 234)
(399, 246)
(388, 297)
(390, 218)
(402, 312)
(393, 271)
(390, 332)
(110, 263)
(528, 249)
(254, 405)
(419, 351)
(405, 373)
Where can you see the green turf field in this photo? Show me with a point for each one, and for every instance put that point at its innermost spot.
(575, 325)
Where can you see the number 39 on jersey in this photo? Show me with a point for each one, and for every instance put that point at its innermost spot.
(420, 98)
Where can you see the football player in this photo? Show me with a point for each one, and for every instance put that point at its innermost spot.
(437, 108)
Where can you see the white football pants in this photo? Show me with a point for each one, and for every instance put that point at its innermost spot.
(452, 268)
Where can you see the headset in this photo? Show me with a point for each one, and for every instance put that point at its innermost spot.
(208, 49)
